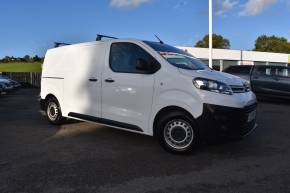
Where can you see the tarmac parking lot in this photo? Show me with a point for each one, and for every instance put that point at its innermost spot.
(79, 157)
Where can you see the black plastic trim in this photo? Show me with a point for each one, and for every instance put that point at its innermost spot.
(100, 36)
(105, 121)
(53, 77)
(93, 80)
(57, 44)
(224, 121)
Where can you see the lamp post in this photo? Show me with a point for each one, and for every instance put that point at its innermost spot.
(210, 32)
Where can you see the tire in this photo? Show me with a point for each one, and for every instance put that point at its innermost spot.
(53, 111)
(177, 133)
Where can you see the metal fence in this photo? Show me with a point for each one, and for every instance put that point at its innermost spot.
(26, 78)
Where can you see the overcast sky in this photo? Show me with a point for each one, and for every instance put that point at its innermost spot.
(31, 26)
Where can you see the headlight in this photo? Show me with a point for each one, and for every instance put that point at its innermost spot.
(247, 86)
(212, 85)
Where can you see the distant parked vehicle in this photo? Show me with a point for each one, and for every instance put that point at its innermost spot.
(265, 80)
(2, 88)
(8, 84)
(12, 83)
(15, 83)
(242, 71)
(4, 77)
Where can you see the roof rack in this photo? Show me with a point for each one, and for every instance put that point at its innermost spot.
(100, 37)
(57, 44)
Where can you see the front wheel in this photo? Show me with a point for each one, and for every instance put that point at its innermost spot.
(177, 133)
(53, 111)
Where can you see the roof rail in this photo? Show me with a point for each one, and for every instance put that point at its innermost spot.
(57, 44)
(100, 37)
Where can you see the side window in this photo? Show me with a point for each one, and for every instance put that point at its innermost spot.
(282, 71)
(277, 71)
(245, 70)
(266, 70)
(274, 71)
(124, 57)
(261, 70)
(270, 71)
(232, 69)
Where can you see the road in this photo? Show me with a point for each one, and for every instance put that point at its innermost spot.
(37, 157)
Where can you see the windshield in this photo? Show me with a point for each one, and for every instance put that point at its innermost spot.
(177, 57)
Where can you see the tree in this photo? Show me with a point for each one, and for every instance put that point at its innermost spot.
(36, 58)
(218, 41)
(6, 59)
(27, 58)
(272, 44)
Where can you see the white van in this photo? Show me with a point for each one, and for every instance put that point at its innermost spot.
(145, 87)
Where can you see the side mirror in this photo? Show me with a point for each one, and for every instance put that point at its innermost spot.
(142, 65)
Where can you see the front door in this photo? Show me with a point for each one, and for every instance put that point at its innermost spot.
(127, 91)
(271, 80)
(263, 80)
(281, 84)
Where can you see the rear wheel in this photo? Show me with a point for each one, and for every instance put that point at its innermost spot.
(53, 111)
(177, 132)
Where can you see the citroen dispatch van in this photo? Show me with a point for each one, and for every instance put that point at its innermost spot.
(146, 87)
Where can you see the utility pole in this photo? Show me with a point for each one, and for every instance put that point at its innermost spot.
(210, 33)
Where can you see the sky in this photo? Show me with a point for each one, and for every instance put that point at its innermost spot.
(32, 26)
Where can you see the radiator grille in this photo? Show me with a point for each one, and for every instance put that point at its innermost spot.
(238, 89)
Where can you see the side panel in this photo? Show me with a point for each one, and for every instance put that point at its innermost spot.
(53, 74)
(52, 86)
(54, 63)
(174, 89)
(82, 85)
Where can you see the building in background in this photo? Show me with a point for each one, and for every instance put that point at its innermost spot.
(223, 58)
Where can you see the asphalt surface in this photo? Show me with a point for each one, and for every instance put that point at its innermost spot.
(80, 157)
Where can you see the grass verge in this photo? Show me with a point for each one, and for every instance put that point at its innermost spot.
(20, 67)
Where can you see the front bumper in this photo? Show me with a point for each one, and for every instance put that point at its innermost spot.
(220, 121)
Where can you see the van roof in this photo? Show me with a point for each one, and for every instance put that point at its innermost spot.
(105, 41)
(100, 41)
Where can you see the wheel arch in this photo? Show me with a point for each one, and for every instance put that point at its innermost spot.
(50, 95)
(165, 110)
(43, 102)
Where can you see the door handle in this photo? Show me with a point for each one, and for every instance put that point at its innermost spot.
(109, 80)
(93, 79)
